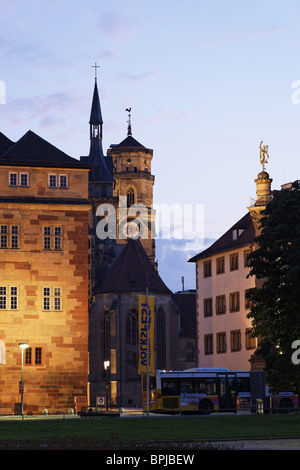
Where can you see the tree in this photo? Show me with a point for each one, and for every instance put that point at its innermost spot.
(275, 310)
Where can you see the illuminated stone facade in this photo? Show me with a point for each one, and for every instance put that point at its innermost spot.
(44, 276)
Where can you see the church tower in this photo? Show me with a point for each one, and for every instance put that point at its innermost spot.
(134, 189)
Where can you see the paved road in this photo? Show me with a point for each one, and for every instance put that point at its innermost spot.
(265, 444)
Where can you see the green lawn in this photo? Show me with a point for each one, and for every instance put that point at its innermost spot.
(152, 428)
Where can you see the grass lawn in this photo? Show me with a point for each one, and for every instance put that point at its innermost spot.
(152, 428)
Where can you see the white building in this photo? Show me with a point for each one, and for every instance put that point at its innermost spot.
(223, 329)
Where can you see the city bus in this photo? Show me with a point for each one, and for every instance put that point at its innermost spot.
(206, 390)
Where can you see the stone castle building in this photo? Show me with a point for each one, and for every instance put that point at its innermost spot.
(44, 213)
(76, 250)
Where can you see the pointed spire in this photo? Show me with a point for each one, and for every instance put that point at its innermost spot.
(96, 157)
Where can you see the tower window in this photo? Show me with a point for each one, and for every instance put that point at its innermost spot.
(130, 197)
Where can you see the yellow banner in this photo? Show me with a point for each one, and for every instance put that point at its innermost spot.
(142, 366)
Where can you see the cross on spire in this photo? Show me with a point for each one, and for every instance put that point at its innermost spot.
(96, 67)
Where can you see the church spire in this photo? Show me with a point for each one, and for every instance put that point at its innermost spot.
(96, 157)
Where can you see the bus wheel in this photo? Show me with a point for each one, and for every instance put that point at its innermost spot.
(205, 406)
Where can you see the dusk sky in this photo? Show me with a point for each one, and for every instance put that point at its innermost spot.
(207, 81)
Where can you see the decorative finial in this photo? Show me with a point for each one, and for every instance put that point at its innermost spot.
(129, 121)
(264, 154)
(96, 67)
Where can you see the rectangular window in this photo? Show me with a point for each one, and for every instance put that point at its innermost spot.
(28, 356)
(3, 236)
(234, 301)
(38, 356)
(220, 304)
(57, 238)
(246, 258)
(57, 298)
(13, 179)
(250, 342)
(207, 268)
(3, 301)
(63, 181)
(24, 180)
(14, 236)
(52, 238)
(220, 265)
(34, 356)
(235, 339)
(208, 344)
(47, 238)
(52, 298)
(208, 307)
(234, 262)
(14, 298)
(52, 181)
(221, 342)
(46, 298)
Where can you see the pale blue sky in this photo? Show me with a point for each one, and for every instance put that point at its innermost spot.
(207, 80)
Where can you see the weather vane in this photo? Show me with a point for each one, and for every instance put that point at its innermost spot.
(264, 154)
(129, 121)
(96, 67)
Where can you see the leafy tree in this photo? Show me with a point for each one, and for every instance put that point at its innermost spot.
(275, 310)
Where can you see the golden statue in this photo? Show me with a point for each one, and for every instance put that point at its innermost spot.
(264, 154)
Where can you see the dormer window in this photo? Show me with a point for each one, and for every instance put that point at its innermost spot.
(236, 233)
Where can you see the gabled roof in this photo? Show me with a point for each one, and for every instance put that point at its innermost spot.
(5, 143)
(226, 242)
(32, 150)
(133, 272)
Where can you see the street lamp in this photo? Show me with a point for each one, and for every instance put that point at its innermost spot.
(22, 346)
(106, 367)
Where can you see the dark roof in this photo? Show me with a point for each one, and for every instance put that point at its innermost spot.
(5, 143)
(129, 142)
(96, 115)
(133, 272)
(32, 150)
(186, 301)
(226, 241)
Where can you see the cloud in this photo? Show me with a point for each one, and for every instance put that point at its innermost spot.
(140, 78)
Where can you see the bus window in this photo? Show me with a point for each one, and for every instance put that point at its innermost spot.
(169, 387)
(205, 385)
(186, 386)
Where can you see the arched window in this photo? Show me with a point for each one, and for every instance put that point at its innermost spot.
(132, 338)
(106, 335)
(130, 197)
(161, 339)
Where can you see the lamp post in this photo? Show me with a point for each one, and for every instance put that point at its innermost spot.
(22, 346)
(106, 367)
